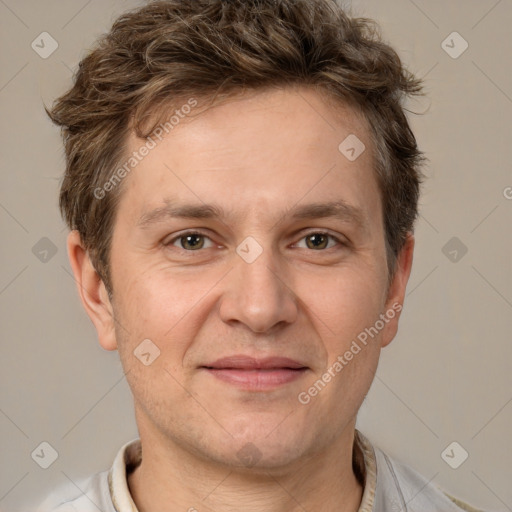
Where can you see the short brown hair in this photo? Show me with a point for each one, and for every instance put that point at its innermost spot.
(157, 55)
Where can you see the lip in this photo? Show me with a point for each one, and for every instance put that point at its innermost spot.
(256, 374)
(243, 362)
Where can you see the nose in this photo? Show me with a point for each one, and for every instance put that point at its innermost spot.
(257, 295)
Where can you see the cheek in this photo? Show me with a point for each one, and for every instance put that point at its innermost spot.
(345, 306)
(154, 329)
(161, 306)
(343, 303)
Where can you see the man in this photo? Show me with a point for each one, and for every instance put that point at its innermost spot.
(241, 189)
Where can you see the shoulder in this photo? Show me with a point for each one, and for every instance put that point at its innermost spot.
(98, 492)
(404, 486)
(82, 496)
(392, 486)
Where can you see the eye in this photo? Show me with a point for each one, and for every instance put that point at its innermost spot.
(191, 241)
(318, 241)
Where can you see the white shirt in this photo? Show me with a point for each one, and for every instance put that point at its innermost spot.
(389, 486)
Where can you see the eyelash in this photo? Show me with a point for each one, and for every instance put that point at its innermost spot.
(199, 233)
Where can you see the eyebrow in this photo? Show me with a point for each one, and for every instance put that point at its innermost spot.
(340, 210)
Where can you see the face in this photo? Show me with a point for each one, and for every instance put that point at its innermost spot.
(250, 251)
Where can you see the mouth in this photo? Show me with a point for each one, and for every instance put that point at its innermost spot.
(256, 374)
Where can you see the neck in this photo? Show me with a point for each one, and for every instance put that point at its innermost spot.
(174, 479)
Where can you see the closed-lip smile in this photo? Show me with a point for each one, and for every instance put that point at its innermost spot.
(256, 374)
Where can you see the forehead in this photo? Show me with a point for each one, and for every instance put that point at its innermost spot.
(262, 151)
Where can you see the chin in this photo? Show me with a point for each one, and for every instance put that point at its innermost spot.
(264, 445)
(264, 456)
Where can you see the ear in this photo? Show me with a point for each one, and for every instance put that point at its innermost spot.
(92, 291)
(396, 292)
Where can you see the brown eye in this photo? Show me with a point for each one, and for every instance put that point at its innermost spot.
(190, 241)
(317, 241)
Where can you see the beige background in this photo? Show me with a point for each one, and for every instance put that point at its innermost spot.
(447, 375)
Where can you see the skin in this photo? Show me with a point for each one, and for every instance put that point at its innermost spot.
(258, 156)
